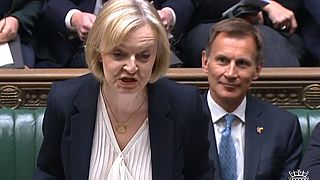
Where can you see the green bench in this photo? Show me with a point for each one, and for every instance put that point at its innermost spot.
(20, 140)
(21, 137)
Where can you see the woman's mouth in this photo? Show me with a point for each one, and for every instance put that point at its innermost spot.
(128, 80)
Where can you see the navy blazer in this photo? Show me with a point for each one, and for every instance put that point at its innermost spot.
(270, 154)
(56, 47)
(311, 158)
(178, 131)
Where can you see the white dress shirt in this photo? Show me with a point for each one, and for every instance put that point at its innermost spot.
(237, 129)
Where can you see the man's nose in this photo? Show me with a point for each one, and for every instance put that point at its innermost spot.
(231, 71)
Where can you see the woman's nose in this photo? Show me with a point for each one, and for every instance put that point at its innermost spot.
(131, 66)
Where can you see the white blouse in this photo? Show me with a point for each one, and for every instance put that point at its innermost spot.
(108, 162)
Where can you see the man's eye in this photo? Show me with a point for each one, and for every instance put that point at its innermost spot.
(243, 63)
(222, 60)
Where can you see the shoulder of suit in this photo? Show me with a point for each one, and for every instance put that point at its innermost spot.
(74, 84)
(271, 108)
(174, 86)
(78, 81)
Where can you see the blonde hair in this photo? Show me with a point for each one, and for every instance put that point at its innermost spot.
(115, 21)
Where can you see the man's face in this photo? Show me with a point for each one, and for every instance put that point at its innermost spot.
(231, 66)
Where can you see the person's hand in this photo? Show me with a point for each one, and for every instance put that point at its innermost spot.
(254, 19)
(166, 17)
(82, 22)
(281, 17)
(8, 29)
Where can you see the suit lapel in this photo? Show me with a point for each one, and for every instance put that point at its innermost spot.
(213, 152)
(161, 134)
(253, 139)
(82, 129)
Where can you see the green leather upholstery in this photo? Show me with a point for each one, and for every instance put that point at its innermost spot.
(308, 119)
(20, 140)
(21, 137)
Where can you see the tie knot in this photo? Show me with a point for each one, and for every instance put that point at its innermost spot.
(229, 120)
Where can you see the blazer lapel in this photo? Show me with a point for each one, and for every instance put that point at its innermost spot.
(82, 129)
(161, 134)
(253, 139)
(213, 151)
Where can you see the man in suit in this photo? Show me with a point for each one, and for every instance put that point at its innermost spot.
(67, 23)
(311, 158)
(310, 31)
(265, 142)
(277, 22)
(18, 18)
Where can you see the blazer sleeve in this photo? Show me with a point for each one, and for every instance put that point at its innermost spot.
(55, 13)
(313, 6)
(311, 159)
(27, 12)
(197, 164)
(294, 150)
(49, 163)
(184, 10)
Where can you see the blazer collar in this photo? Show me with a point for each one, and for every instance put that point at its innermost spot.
(213, 151)
(161, 133)
(253, 138)
(82, 128)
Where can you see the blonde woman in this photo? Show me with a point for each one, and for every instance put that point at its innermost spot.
(124, 121)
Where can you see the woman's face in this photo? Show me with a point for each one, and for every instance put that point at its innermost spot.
(127, 68)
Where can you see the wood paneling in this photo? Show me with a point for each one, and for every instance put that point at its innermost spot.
(284, 87)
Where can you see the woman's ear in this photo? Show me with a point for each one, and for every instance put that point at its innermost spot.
(99, 56)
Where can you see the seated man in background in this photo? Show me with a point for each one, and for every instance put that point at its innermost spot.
(277, 22)
(311, 159)
(310, 31)
(252, 139)
(67, 23)
(18, 17)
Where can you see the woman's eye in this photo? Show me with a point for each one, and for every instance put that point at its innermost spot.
(118, 55)
(143, 56)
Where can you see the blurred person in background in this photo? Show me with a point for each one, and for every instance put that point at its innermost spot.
(19, 18)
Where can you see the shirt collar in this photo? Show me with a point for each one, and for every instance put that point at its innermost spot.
(217, 112)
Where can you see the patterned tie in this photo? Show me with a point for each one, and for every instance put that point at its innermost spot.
(227, 151)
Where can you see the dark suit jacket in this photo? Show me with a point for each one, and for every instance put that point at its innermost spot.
(310, 31)
(56, 48)
(184, 10)
(311, 158)
(178, 131)
(27, 12)
(271, 154)
(313, 7)
(212, 9)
